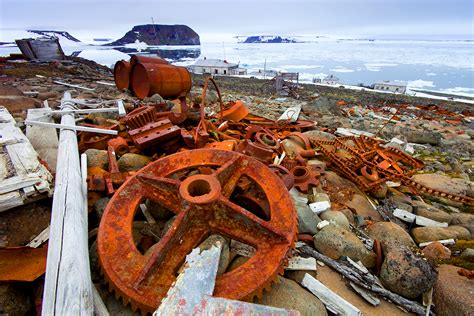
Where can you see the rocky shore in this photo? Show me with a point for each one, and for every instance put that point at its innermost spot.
(426, 254)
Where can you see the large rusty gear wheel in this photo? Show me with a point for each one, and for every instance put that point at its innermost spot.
(202, 204)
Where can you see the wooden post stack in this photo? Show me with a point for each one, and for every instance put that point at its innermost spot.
(68, 284)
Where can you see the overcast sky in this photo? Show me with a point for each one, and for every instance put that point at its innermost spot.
(449, 19)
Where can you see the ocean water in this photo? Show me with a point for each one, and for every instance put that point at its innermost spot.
(435, 65)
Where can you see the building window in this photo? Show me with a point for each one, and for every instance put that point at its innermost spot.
(225, 72)
(203, 70)
(396, 89)
(216, 71)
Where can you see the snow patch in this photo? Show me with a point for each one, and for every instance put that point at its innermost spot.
(378, 66)
(417, 84)
(431, 74)
(103, 56)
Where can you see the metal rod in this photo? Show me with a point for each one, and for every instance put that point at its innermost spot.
(72, 127)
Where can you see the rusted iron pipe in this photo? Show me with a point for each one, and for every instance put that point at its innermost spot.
(166, 80)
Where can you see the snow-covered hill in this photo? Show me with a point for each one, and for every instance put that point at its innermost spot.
(66, 39)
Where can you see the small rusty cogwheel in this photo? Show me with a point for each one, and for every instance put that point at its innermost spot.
(204, 203)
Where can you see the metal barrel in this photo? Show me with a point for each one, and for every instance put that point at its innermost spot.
(122, 70)
(147, 60)
(167, 80)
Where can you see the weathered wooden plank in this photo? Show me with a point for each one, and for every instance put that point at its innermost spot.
(40, 239)
(99, 307)
(417, 219)
(333, 302)
(68, 285)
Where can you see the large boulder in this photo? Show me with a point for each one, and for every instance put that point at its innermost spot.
(390, 236)
(406, 274)
(288, 294)
(453, 293)
(445, 183)
(97, 158)
(422, 137)
(436, 250)
(425, 234)
(132, 162)
(335, 242)
(362, 207)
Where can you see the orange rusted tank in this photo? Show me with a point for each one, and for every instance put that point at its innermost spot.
(167, 80)
(122, 74)
(147, 60)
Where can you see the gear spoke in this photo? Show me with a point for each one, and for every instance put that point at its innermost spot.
(230, 173)
(239, 224)
(186, 232)
(162, 190)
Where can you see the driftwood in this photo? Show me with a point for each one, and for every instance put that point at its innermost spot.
(364, 280)
(68, 284)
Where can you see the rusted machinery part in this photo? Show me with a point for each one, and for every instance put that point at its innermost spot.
(178, 118)
(122, 70)
(140, 117)
(236, 112)
(284, 174)
(304, 177)
(371, 175)
(410, 166)
(88, 140)
(167, 80)
(283, 125)
(147, 59)
(303, 138)
(266, 140)
(203, 205)
(119, 145)
(249, 148)
(155, 133)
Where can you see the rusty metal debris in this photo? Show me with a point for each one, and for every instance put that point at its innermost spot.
(364, 161)
(22, 263)
(203, 203)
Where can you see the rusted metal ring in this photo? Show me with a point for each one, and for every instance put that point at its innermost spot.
(144, 279)
(266, 140)
(372, 176)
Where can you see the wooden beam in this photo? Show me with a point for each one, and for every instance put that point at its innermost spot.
(68, 285)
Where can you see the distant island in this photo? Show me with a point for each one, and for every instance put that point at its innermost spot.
(159, 34)
(268, 39)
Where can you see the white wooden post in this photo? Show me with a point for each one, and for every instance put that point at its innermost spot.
(68, 284)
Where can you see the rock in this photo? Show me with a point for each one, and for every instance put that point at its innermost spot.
(97, 158)
(49, 95)
(159, 34)
(16, 103)
(349, 215)
(291, 146)
(423, 137)
(335, 242)
(298, 275)
(436, 250)
(132, 162)
(237, 262)
(363, 207)
(288, 294)
(425, 234)
(468, 252)
(307, 220)
(336, 217)
(406, 274)
(380, 192)
(14, 300)
(225, 252)
(322, 105)
(155, 99)
(462, 219)
(315, 135)
(158, 211)
(434, 214)
(452, 293)
(9, 90)
(100, 206)
(196, 96)
(445, 183)
(390, 235)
